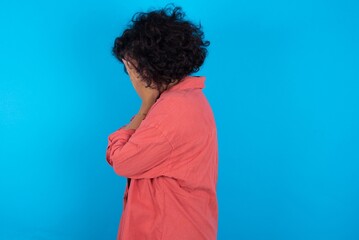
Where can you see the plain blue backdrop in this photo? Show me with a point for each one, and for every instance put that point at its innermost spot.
(281, 77)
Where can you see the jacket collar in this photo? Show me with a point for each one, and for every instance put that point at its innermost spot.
(188, 82)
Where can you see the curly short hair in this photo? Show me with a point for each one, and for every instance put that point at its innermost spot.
(164, 46)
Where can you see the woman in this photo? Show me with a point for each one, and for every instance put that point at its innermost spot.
(168, 151)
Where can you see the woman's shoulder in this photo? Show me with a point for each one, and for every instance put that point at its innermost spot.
(176, 105)
(180, 108)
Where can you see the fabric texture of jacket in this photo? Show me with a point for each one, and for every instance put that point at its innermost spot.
(171, 164)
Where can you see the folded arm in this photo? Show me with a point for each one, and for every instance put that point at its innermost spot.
(139, 153)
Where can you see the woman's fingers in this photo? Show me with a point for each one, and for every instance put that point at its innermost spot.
(146, 94)
(131, 71)
(134, 75)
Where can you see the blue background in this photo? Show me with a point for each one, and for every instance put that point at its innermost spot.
(282, 79)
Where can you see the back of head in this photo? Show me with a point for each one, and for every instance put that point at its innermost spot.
(162, 45)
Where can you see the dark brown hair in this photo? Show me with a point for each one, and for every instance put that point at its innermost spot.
(165, 47)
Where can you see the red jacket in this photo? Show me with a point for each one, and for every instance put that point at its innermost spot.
(171, 162)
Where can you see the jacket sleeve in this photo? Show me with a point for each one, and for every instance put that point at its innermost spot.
(138, 153)
(125, 134)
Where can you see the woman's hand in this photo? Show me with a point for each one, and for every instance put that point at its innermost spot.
(148, 95)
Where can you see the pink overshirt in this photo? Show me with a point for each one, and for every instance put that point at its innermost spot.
(171, 162)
